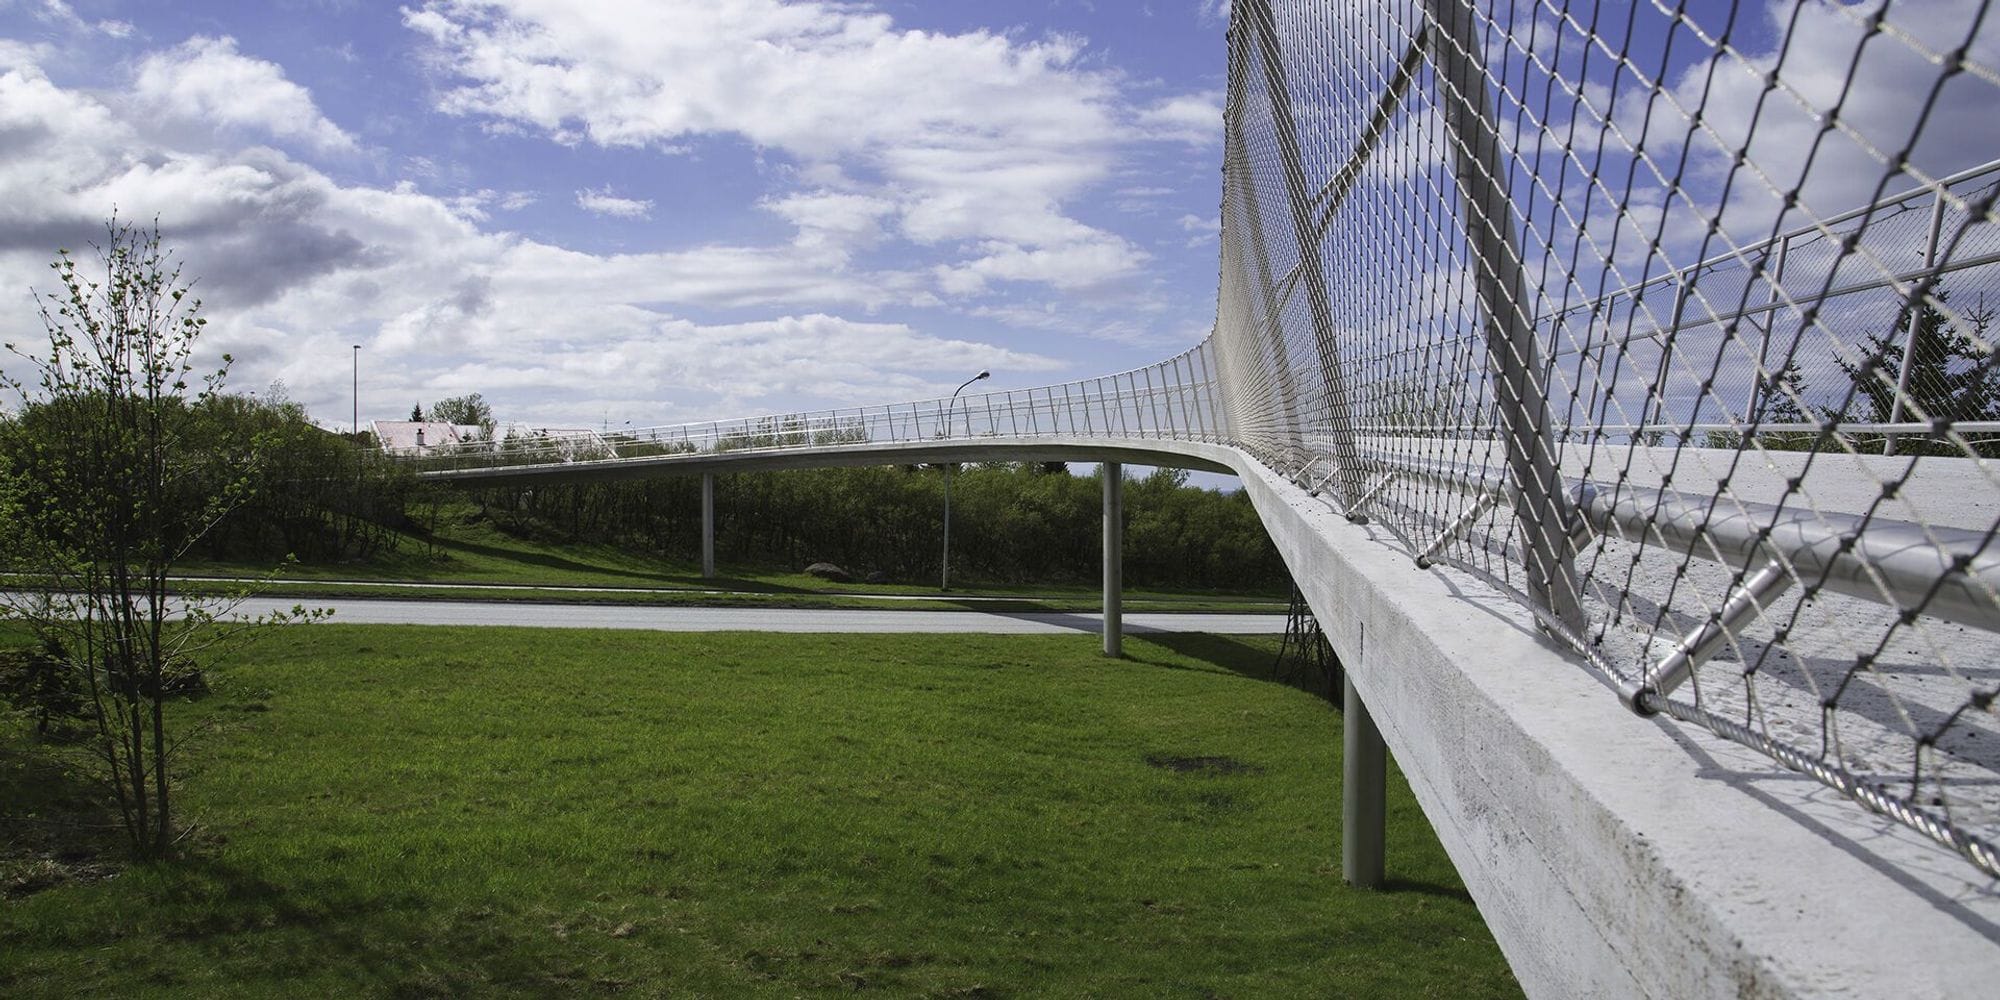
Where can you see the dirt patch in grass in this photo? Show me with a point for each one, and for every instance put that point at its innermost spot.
(56, 830)
(1201, 765)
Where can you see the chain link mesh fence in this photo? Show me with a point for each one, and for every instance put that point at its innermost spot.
(1675, 321)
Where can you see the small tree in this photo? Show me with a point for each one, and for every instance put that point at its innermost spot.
(417, 414)
(100, 495)
(468, 410)
(1953, 376)
(1775, 400)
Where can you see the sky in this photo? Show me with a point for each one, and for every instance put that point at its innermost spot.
(598, 212)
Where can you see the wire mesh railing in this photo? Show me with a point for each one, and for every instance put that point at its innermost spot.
(1670, 320)
(1172, 399)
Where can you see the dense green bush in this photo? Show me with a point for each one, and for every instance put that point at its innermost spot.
(1026, 522)
(292, 488)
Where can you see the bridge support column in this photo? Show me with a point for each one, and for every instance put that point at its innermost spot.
(707, 525)
(1363, 792)
(1113, 474)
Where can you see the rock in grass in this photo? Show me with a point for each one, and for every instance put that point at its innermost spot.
(828, 571)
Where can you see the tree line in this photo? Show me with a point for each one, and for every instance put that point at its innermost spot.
(1011, 523)
(298, 491)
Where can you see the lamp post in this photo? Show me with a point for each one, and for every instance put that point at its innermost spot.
(944, 564)
(356, 429)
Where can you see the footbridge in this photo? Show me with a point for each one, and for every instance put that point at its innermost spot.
(1618, 383)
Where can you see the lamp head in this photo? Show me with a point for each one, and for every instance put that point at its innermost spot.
(983, 373)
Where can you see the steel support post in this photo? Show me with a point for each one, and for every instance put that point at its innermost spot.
(707, 525)
(1487, 215)
(1915, 319)
(1113, 474)
(1312, 270)
(944, 559)
(1364, 784)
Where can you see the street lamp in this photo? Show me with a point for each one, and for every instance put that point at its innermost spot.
(944, 564)
(357, 391)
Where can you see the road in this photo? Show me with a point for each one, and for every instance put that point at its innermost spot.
(668, 619)
(504, 588)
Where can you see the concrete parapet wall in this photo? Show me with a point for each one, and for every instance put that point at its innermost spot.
(1614, 855)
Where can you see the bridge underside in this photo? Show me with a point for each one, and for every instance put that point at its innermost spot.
(1171, 454)
(1612, 855)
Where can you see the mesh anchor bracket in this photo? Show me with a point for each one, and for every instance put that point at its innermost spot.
(1457, 528)
(1358, 514)
(1745, 602)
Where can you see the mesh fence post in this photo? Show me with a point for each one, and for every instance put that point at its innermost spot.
(708, 525)
(1113, 474)
(1915, 316)
(1488, 221)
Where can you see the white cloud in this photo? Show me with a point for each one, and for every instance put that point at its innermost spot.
(1880, 80)
(1195, 119)
(206, 80)
(295, 266)
(1199, 225)
(953, 141)
(478, 205)
(602, 202)
(1200, 230)
(61, 14)
(833, 221)
(1073, 266)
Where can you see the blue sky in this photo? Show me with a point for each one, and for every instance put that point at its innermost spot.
(647, 212)
(598, 211)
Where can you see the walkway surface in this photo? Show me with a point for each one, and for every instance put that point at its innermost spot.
(669, 619)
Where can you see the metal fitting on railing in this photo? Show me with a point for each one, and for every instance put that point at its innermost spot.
(1457, 528)
(1677, 667)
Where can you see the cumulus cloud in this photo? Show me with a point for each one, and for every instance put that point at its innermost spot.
(296, 266)
(600, 201)
(1195, 119)
(956, 142)
(62, 15)
(1200, 230)
(1880, 80)
(834, 221)
(208, 80)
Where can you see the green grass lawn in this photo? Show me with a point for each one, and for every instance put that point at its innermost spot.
(452, 812)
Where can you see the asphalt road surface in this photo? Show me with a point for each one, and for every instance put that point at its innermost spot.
(663, 619)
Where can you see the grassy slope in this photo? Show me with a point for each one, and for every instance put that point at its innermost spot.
(470, 551)
(446, 812)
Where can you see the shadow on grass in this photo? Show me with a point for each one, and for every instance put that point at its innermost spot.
(1403, 886)
(563, 563)
(549, 561)
(395, 936)
(1228, 652)
(57, 827)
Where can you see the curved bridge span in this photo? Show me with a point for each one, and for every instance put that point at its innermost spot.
(1625, 401)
